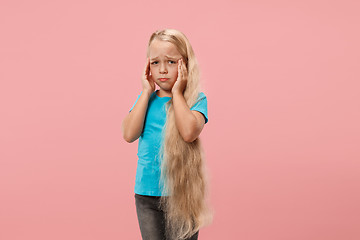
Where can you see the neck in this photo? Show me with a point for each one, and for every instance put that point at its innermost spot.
(163, 93)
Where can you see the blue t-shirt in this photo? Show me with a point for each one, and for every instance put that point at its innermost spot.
(147, 181)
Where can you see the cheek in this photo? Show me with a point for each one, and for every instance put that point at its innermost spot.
(175, 71)
(151, 70)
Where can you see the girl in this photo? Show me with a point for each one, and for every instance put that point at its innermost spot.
(171, 183)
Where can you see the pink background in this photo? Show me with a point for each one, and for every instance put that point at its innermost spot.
(282, 142)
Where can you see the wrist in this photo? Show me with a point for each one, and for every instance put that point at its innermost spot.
(177, 94)
(147, 92)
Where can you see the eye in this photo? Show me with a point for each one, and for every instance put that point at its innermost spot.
(172, 62)
(155, 62)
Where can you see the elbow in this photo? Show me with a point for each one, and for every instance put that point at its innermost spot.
(189, 138)
(190, 134)
(128, 138)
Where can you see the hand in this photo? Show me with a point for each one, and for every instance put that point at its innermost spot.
(148, 83)
(181, 80)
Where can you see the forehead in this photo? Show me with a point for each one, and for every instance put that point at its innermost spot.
(159, 48)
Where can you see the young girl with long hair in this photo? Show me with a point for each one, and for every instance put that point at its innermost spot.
(171, 185)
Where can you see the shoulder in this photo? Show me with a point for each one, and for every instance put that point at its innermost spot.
(201, 106)
(201, 98)
(202, 95)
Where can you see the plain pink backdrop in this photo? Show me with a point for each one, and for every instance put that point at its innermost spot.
(282, 142)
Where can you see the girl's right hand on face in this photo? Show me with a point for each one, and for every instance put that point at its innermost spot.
(148, 83)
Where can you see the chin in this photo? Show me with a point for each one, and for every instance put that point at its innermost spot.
(164, 85)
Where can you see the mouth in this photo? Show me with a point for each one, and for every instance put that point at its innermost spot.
(163, 79)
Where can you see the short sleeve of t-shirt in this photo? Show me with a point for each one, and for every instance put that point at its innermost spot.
(135, 101)
(200, 105)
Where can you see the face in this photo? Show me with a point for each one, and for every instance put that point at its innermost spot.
(164, 63)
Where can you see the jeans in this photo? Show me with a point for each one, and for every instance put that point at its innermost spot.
(151, 218)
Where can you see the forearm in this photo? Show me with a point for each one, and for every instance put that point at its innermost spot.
(133, 123)
(185, 120)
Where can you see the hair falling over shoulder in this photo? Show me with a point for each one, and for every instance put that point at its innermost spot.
(183, 169)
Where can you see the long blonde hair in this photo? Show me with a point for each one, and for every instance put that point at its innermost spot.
(183, 170)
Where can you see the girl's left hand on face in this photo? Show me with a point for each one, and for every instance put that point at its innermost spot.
(181, 81)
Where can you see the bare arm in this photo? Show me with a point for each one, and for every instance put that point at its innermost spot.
(189, 123)
(133, 123)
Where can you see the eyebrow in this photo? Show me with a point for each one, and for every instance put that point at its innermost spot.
(169, 57)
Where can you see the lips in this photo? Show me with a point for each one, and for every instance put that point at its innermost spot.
(163, 79)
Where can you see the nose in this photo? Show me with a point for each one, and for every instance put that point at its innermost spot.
(162, 69)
